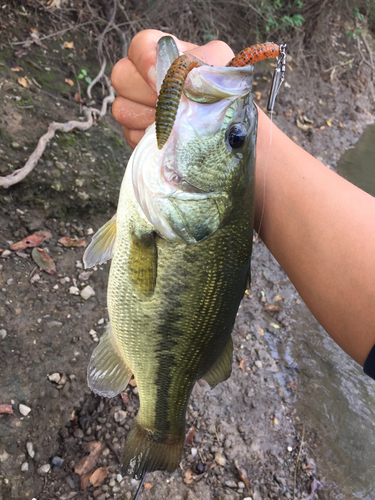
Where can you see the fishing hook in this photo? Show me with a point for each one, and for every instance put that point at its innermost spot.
(278, 77)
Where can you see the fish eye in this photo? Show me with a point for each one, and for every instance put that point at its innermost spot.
(236, 136)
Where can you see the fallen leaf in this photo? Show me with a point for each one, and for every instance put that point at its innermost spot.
(68, 45)
(33, 30)
(148, 486)
(303, 126)
(6, 409)
(190, 436)
(16, 69)
(69, 82)
(259, 329)
(34, 240)
(307, 467)
(22, 81)
(72, 242)
(258, 95)
(275, 325)
(78, 98)
(329, 122)
(188, 477)
(43, 260)
(85, 479)
(274, 421)
(98, 476)
(295, 138)
(272, 307)
(242, 363)
(86, 464)
(243, 475)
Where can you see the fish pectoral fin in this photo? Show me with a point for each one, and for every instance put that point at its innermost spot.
(107, 373)
(223, 367)
(143, 263)
(102, 245)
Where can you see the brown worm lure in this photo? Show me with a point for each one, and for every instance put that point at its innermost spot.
(171, 89)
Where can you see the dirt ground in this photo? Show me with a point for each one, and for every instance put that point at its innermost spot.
(247, 443)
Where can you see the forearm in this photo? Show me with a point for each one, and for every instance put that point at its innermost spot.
(320, 228)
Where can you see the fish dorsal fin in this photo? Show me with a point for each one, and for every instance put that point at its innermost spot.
(143, 263)
(102, 245)
(108, 373)
(222, 368)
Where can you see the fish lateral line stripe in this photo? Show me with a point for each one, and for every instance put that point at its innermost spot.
(171, 89)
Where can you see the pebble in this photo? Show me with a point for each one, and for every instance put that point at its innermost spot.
(24, 410)
(112, 483)
(55, 377)
(258, 363)
(78, 433)
(74, 290)
(15, 145)
(116, 489)
(241, 485)
(57, 461)
(3, 334)
(44, 469)
(87, 292)
(119, 416)
(219, 459)
(194, 452)
(60, 165)
(94, 335)
(247, 498)
(231, 483)
(5, 254)
(101, 321)
(89, 231)
(24, 467)
(30, 449)
(257, 496)
(4, 456)
(119, 478)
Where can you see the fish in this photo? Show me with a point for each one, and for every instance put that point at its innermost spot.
(180, 245)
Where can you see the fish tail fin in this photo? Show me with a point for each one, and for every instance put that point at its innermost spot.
(145, 453)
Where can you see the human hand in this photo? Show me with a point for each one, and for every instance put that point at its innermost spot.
(133, 78)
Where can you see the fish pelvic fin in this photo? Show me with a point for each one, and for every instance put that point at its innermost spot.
(107, 373)
(146, 452)
(222, 368)
(102, 245)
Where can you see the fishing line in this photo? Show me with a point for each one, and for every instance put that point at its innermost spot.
(265, 175)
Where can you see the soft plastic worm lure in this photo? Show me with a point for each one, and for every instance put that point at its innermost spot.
(171, 89)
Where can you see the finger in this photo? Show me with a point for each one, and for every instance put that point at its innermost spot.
(133, 136)
(128, 82)
(143, 52)
(132, 114)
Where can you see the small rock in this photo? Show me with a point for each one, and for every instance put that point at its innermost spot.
(119, 416)
(227, 443)
(247, 498)
(87, 292)
(5, 253)
(44, 469)
(78, 433)
(15, 145)
(57, 461)
(4, 456)
(89, 231)
(219, 459)
(257, 495)
(63, 379)
(119, 478)
(231, 483)
(116, 489)
(241, 485)
(55, 377)
(258, 363)
(3, 334)
(24, 467)
(60, 165)
(35, 278)
(24, 410)
(101, 321)
(194, 452)
(74, 290)
(30, 449)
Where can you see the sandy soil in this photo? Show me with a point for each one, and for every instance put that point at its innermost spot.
(243, 424)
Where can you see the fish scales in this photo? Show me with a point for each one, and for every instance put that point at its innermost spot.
(180, 266)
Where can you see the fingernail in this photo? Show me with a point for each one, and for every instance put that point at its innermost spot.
(152, 77)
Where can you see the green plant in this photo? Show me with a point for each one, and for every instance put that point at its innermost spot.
(83, 74)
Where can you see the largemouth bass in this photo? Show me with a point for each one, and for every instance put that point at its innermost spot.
(180, 246)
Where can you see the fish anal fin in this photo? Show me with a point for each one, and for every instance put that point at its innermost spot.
(222, 368)
(145, 451)
(143, 263)
(107, 373)
(102, 245)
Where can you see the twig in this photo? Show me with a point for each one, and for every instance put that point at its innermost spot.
(297, 459)
(370, 56)
(52, 34)
(21, 173)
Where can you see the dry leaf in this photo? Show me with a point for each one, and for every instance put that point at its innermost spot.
(242, 363)
(329, 122)
(295, 138)
(86, 464)
(22, 81)
(258, 95)
(243, 475)
(72, 242)
(85, 479)
(272, 307)
(98, 476)
(6, 409)
(34, 240)
(33, 30)
(68, 45)
(78, 98)
(43, 260)
(125, 398)
(69, 82)
(275, 325)
(303, 126)
(259, 329)
(148, 486)
(190, 436)
(16, 69)
(188, 477)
